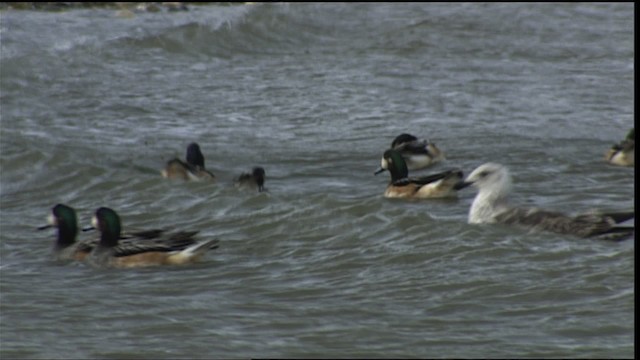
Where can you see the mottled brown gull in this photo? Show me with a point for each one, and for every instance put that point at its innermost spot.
(491, 206)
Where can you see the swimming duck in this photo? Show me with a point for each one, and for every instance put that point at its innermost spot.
(176, 250)
(491, 205)
(253, 180)
(193, 169)
(66, 247)
(623, 154)
(401, 186)
(417, 153)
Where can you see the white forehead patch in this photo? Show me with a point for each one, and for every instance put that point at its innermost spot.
(94, 221)
(51, 220)
(384, 164)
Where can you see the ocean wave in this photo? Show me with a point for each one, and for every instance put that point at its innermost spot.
(231, 31)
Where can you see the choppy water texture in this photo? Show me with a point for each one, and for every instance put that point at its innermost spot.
(93, 105)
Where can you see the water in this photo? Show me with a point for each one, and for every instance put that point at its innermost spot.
(93, 105)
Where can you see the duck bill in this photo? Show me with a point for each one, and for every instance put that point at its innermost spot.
(380, 170)
(44, 227)
(88, 228)
(461, 185)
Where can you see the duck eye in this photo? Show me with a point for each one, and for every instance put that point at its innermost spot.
(484, 174)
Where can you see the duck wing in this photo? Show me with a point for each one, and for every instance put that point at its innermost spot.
(424, 180)
(413, 147)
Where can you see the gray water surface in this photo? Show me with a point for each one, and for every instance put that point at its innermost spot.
(93, 105)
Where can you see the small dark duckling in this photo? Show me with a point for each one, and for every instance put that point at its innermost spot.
(255, 180)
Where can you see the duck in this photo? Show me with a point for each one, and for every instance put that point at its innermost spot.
(110, 252)
(67, 247)
(64, 218)
(623, 153)
(491, 206)
(417, 153)
(254, 180)
(440, 185)
(193, 169)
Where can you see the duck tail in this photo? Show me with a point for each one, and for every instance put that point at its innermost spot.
(200, 248)
(193, 252)
(619, 217)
